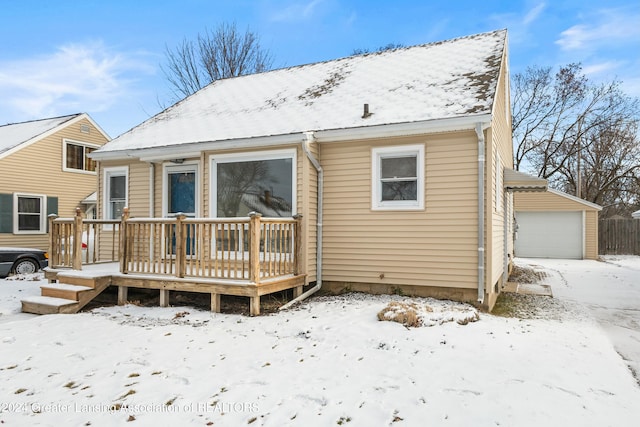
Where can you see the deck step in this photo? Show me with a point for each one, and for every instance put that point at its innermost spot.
(84, 278)
(47, 305)
(63, 290)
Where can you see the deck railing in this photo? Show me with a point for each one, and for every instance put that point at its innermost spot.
(99, 241)
(248, 249)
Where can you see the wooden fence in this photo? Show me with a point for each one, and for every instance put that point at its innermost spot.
(619, 236)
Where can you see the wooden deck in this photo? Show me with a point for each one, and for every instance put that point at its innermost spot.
(248, 257)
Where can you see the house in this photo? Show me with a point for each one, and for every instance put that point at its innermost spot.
(45, 168)
(391, 162)
(554, 224)
(635, 215)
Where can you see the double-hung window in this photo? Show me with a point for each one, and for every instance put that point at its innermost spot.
(76, 156)
(29, 213)
(115, 192)
(397, 178)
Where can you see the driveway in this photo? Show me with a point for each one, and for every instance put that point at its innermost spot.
(610, 292)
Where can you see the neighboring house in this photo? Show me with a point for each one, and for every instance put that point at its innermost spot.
(395, 159)
(636, 215)
(44, 169)
(554, 224)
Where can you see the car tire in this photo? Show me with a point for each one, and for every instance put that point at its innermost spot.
(25, 266)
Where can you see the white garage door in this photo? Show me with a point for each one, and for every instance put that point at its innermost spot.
(549, 235)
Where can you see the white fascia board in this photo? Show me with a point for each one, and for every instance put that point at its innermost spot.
(194, 149)
(403, 129)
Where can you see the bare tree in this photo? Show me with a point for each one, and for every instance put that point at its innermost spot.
(215, 54)
(389, 46)
(580, 136)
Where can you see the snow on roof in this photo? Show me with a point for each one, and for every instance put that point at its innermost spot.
(449, 79)
(14, 134)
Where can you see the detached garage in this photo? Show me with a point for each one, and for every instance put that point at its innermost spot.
(554, 224)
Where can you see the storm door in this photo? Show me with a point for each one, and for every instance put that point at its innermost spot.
(181, 196)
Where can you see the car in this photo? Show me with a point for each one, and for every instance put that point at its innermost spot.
(22, 260)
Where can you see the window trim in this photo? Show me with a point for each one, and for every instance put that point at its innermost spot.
(43, 214)
(108, 173)
(65, 142)
(252, 156)
(379, 153)
(191, 166)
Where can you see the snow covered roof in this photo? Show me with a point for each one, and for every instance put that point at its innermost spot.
(449, 79)
(14, 134)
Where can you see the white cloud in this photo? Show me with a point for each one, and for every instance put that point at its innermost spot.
(74, 78)
(533, 14)
(601, 68)
(518, 23)
(296, 11)
(610, 26)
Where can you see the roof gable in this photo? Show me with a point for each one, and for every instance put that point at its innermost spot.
(450, 79)
(14, 134)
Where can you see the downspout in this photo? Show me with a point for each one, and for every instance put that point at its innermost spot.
(309, 138)
(481, 165)
(505, 238)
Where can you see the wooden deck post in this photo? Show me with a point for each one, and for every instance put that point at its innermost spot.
(54, 257)
(215, 303)
(254, 248)
(123, 292)
(77, 241)
(297, 246)
(254, 305)
(181, 245)
(164, 297)
(124, 255)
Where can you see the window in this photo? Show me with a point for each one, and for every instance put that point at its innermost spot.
(181, 190)
(29, 213)
(261, 182)
(115, 192)
(76, 156)
(398, 178)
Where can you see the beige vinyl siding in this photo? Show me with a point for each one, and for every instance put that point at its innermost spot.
(546, 201)
(591, 235)
(138, 191)
(37, 169)
(432, 247)
(500, 146)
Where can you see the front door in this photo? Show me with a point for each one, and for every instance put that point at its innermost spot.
(181, 196)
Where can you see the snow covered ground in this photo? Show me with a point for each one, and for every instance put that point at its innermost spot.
(610, 292)
(327, 362)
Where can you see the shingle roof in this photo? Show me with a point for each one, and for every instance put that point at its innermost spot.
(441, 80)
(14, 134)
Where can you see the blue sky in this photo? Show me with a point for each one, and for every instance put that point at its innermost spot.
(103, 57)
